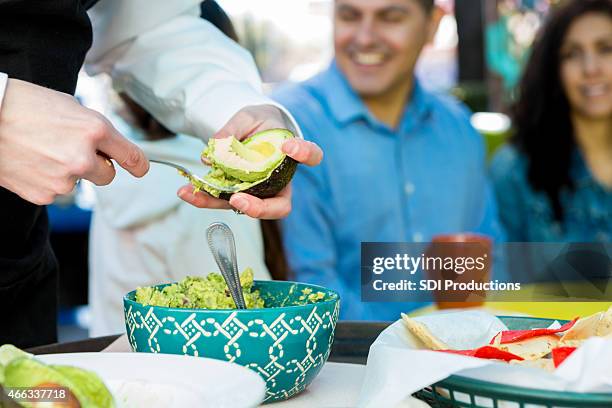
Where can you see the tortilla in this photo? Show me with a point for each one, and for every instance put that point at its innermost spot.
(604, 329)
(571, 342)
(600, 322)
(531, 349)
(542, 363)
(420, 331)
(536, 351)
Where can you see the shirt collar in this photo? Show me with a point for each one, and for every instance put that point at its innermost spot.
(343, 102)
(579, 170)
(346, 106)
(418, 108)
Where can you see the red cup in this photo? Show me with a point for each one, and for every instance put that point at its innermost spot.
(471, 256)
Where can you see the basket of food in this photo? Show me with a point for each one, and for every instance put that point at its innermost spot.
(459, 391)
(477, 360)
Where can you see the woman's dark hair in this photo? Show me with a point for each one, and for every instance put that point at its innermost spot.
(210, 11)
(544, 130)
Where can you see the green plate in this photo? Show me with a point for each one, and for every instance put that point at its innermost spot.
(459, 391)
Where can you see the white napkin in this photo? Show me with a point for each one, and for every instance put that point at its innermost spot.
(397, 368)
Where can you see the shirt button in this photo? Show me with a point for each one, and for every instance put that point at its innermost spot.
(417, 237)
(409, 188)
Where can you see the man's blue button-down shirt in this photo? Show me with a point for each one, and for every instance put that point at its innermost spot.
(378, 184)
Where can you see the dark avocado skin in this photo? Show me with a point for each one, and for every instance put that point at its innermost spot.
(280, 177)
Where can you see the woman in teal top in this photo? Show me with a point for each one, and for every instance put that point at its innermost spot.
(553, 181)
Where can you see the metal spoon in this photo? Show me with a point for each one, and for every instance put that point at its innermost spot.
(223, 247)
(191, 176)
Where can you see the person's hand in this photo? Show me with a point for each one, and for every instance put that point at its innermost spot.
(247, 121)
(48, 142)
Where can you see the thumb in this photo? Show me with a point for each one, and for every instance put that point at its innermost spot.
(126, 154)
(241, 125)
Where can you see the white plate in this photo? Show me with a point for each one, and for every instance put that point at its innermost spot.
(142, 380)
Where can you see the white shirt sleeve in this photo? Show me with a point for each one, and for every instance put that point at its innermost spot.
(176, 65)
(3, 83)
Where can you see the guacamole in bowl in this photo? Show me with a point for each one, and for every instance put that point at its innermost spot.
(210, 292)
(285, 335)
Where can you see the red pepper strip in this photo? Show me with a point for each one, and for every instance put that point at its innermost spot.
(559, 354)
(489, 352)
(510, 336)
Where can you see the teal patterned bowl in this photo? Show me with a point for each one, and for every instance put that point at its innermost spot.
(286, 345)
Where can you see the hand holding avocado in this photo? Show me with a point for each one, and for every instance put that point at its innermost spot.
(269, 156)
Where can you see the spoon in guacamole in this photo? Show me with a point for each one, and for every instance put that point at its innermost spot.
(193, 179)
(223, 247)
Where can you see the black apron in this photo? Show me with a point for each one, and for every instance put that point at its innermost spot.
(43, 42)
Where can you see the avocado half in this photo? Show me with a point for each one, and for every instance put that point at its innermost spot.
(86, 389)
(256, 165)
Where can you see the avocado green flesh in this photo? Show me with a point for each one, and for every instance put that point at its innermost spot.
(89, 383)
(244, 152)
(265, 188)
(210, 292)
(30, 373)
(219, 178)
(262, 148)
(8, 353)
(239, 161)
(271, 186)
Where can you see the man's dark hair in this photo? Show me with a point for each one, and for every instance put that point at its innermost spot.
(544, 131)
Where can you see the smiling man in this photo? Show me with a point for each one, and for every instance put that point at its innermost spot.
(401, 164)
(377, 45)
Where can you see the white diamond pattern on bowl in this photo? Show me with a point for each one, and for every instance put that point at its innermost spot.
(233, 329)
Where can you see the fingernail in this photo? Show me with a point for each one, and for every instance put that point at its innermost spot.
(134, 157)
(240, 203)
(291, 147)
